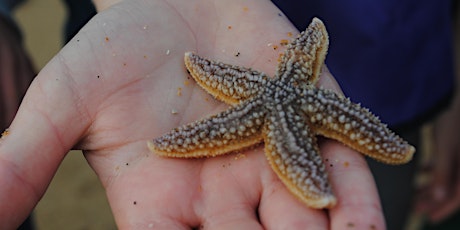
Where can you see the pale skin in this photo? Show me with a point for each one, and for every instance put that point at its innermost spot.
(113, 87)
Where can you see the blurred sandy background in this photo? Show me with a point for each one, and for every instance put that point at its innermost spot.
(75, 198)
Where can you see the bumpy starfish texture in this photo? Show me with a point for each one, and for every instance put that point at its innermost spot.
(286, 112)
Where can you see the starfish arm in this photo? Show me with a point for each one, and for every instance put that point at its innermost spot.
(228, 83)
(302, 61)
(234, 129)
(337, 117)
(286, 112)
(291, 149)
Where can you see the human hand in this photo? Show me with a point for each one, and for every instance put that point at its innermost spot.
(440, 197)
(16, 73)
(121, 82)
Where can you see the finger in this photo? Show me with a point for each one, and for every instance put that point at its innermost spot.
(230, 192)
(358, 203)
(279, 209)
(44, 129)
(27, 167)
(216, 193)
(162, 201)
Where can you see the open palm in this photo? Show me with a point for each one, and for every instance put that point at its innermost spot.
(121, 81)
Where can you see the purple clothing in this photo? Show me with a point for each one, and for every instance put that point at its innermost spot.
(395, 57)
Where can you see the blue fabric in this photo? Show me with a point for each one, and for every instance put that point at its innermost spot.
(7, 5)
(393, 56)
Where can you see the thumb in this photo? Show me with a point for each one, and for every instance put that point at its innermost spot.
(45, 128)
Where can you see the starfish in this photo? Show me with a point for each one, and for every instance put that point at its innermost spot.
(286, 112)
